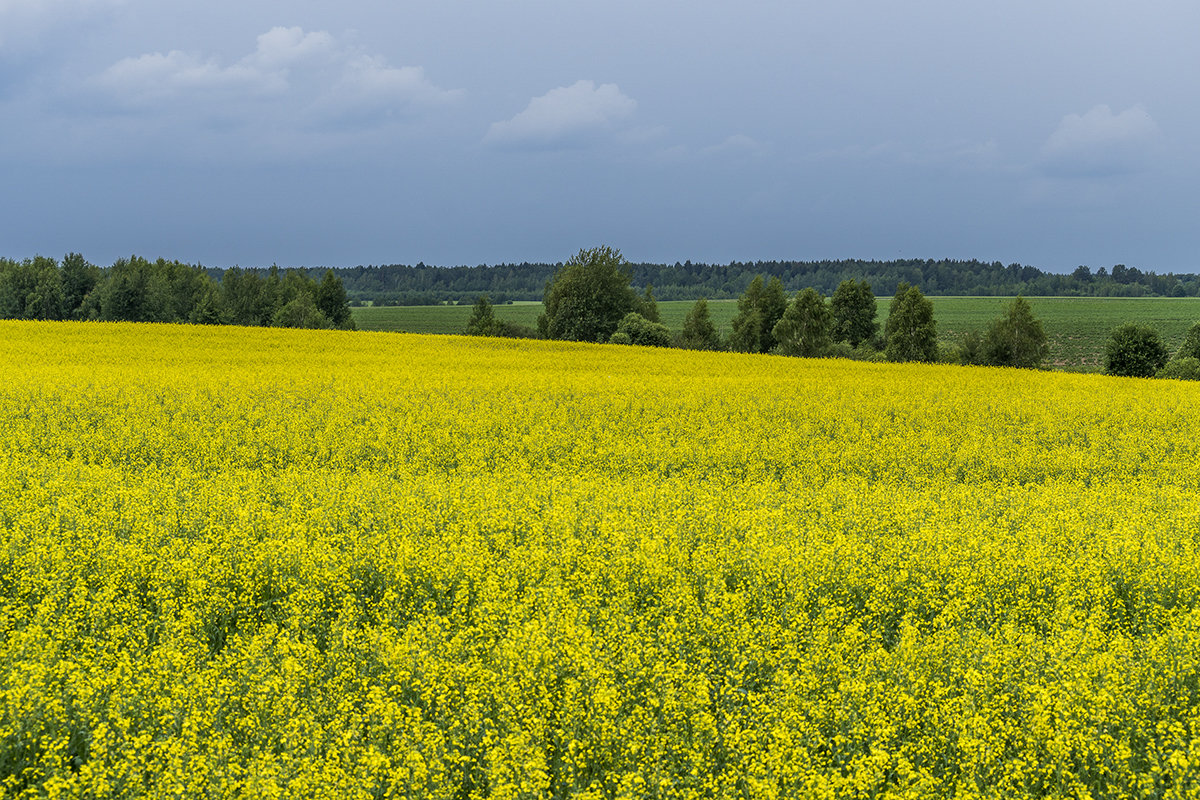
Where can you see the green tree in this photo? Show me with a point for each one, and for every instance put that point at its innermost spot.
(636, 329)
(332, 301)
(1135, 351)
(208, 310)
(804, 328)
(970, 349)
(699, 333)
(242, 297)
(300, 312)
(1181, 369)
(78, 279)
(1191, 343)
(853, 310)
(483, 318)
(759, 308)
(649, 307)
(587, 298)
(911, 330)
(1016, 339)
(31, 289)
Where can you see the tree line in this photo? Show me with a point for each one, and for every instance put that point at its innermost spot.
(428, 285)
(137, 290)
(591, 299)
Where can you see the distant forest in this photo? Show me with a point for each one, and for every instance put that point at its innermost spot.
(171, 291)
(137, 290)
(398, 284)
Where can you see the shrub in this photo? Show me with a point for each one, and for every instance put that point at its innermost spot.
(640, 331)
(1181, 369)
(1135, 351)
(970, 349)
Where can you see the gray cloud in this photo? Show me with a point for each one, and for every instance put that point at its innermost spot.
(310, 76)
(1099, 143)
(564, 117)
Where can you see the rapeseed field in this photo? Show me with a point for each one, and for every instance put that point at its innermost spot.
(281, 563)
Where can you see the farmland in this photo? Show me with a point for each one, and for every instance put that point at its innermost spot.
(317, 563)
(1075, 326)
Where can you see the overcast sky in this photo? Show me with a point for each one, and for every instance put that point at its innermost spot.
(1052, 133)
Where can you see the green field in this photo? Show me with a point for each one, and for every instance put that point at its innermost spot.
(1076, 326)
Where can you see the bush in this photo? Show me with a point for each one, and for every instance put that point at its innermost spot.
(970, 349)
(1181, 369)
(864, 352)
(636, 329)
(1134, 351)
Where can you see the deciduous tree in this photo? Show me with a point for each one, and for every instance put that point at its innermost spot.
(699, 333)
(588, 297)
(1016, 339)
(911, 330)
(332, 301)
(759, 308)
(853, 310)
(483, 318)
(804, 328)
(1135, 351)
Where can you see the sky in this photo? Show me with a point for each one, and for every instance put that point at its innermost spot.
(1051, 133)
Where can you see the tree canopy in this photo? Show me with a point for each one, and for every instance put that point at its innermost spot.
(1135, 351)
(911, 331)
(587, 299)
(135, 289)
(699, 332)
(853, 312)
(804, 328)
(759, 308)
(1016, 339)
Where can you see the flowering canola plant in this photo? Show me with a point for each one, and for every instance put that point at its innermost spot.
(258, 562)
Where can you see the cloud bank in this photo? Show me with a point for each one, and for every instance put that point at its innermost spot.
(569, 116)
(312, 76)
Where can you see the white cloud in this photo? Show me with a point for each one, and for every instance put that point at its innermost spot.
(156, 78)
(564, 117)
(1099, 143)
(311, 77)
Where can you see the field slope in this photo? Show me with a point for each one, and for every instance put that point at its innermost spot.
(329, 564)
